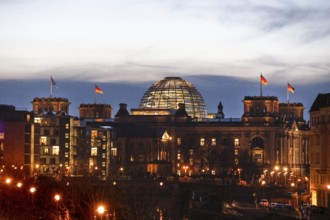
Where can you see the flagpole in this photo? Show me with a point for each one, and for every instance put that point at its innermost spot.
(287, 93)
(94, 95)
(260, 85)
(51, 87)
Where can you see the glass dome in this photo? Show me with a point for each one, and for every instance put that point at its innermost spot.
(169, 92)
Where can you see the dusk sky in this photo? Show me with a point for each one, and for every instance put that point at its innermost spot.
(109, 43)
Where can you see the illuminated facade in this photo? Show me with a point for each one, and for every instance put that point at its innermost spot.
(56, 136)
(269, 134)
(319, 150)
(166, 95)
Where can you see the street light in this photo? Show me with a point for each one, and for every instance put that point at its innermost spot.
(32, 189)
(19, 184)
(185, 171)
(8, 181)
(57, 197)
(239, 175)
(100, 210)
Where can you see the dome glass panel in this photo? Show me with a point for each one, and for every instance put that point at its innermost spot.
(169, 92)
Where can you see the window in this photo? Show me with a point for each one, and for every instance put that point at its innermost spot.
(94, 151)
(202, 142)
(236, 142)
(56, 150)
(213, 141)
(94, 134)
(56, 132)
(46, 132)
(236, 152)
(178, 141)
(37, 120)
(52, 161)
(104, 146)
(66, 145)
(66, 154)
(103, 155)
(191, 151)
(103, 164)
(52, 141)
(43, 160)
(114, 152)
(131, 158)
(66, 126)
(43, 140)
(66, 135)
(45, 150)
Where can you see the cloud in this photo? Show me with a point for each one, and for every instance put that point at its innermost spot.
(146, 40)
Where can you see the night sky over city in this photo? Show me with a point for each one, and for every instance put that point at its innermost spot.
(221, 47)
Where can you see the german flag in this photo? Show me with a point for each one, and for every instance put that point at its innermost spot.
(98, 90)
(263, 80)
(290, 88)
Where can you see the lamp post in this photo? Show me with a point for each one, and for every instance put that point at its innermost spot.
(100, 211)
(285, 169)
(32, 191)
(57, 198)
(239, 175)
(263, 188)
(185, 167)
(276, 168)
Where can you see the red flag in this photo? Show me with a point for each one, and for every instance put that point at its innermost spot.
(290, 88)
(263, 80)
(98, 90)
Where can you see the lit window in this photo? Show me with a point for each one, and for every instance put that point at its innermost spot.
(66, 135)
(37, 120)
(94, 151)
(56, 150)
(202, 141)
(104, 146)
(236, 142)
(66, 164)
(103, 172)
(66, 126)
(191, 151)
(45, 150)
(178, 141)
(66, 145)
(236, 151)
(43, 140)
(213, 141)
(179, 156)
(103, 155)
(66, 154)
(131, 158)
(94, 134)
(114, 152)
(103, 164)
